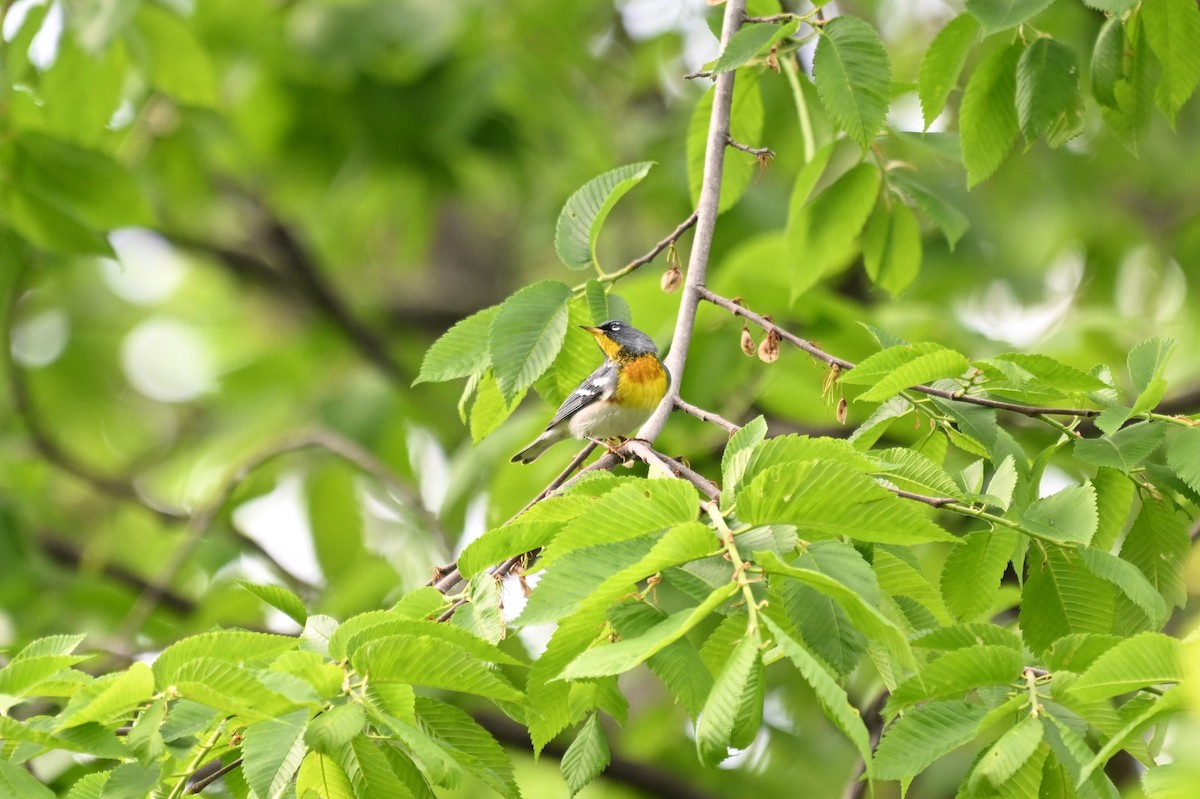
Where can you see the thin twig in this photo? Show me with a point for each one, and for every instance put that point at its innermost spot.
(773, 20)
(757, 152)
(204, 777)
(663, 244)
(845, 366)
(705, 416)
(672, 466)
(66, 553)
(933, 502)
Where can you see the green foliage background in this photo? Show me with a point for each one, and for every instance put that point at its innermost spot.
(334, 185)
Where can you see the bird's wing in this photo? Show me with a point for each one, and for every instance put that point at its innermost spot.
(599, 385)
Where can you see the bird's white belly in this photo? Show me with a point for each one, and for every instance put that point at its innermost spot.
(605, 419)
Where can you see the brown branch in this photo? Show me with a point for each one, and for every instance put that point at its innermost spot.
(208, 774)
(671, 466)
(757, 152)
(844, 365)
(872, 717)
(933, 502)
(66, 553)
(706, 416)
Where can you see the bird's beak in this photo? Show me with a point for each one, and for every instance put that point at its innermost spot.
(595, 331)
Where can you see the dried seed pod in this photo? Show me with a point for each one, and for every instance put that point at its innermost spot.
(773, 61)
(768, 351)
(841, 410)
(672, 279)
(748, 345)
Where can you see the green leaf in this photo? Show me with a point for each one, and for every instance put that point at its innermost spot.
(853, 77)
(1173, 30)
(988, 119)
(436, 662)
(586, 757)
(17, 781)
(890, 371)
(834, 701)
(864, 616)
(949, 219)
(461, 350)
(892, 247)
(1147, 362)
(583, 216)
(178, 64)
(912, 471)
(748, 42)
(1127, 577)
(233, 646)
(1183, 455)
(1047, 85)
(679, 665)
(45, 225)
(1048, 372)
(959, 636)
(745, 126)
(279, 598)
(924, 734)
(1158, 544)
(1069, 516)
(956, 673)
(1124, 450)
(734, 690)
(1145, 660)
(998, 15)
(229, 688)
(822, 234)
(579, 355)
(1130, 119)
(900, 575)
(272, 751)
(1111, 6)
(737, 453)
(1060, 598)
(470, 744)
(779, 450)
(1010, 751)
(1114, 498)
(145, 737)
(490, 409)
(321, 775)
(1108, 62)
(85, 184)
(330, 730)
(622, 656)
(943, 63)
(526, 335)
(369, 770)
(514, 538)
(825, 499)
(113, 697)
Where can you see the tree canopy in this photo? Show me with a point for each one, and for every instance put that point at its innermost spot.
(286, 285)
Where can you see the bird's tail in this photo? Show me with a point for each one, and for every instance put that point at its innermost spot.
(540, 445)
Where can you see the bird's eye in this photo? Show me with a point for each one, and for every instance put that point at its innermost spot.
(615, 327)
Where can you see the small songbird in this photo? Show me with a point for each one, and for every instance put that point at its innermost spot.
(615, 399)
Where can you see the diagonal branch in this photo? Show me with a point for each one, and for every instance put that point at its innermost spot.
(706, 416)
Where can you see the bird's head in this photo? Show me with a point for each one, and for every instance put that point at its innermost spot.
(621, 340)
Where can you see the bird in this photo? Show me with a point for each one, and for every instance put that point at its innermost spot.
(615, 399)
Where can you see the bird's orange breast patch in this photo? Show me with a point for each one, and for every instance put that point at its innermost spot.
(643, 382)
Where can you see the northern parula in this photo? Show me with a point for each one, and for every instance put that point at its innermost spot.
(615, 399)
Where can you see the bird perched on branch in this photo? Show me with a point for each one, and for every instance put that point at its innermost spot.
(615, 399)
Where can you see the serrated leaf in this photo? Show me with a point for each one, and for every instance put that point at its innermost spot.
(582, 217)
(230, 689)
(321, 775)
(988, 119)
(892, 247)
(1010, 751)
(145, 737)
(737, 453)
(436, 662)
(1060, 598)
(1124, 450)
(943, 63)
(1108, 62)
(733, 690)
(49, 646)
(1144, 660)
(678, 665)
(369, 770)
(950, 220)
(778, 450)
(622, 656)
(972, 572)
(998, 15)
(864, 616)
(1158, 544)
(1130, 118)
(923, 735)
(1111, 6)
(279, 598)
(749, 41)
(901, 576)
(822, 233)
(272, 751)
(830, 695)
(17, 781)
(472, 745)
(956, 673)
(586, 757)
(853, 77)
(460, 351)
(1068, 516)
(1047, 371)
(745, 126)
(514, 538)
(1183, 456)
(113, 697)
(330, 730)
(890, 371)
(1047, 85)
(1173, 31)
(828, 500)
(526, 335)
(1130, 580)
(490, 410)
(1147, 362)
(233, 646)
(959, 636)
(912, 471)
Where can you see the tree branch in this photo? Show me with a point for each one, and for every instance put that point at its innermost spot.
(706, 416)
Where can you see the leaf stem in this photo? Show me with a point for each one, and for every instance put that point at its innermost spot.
(740, 567)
